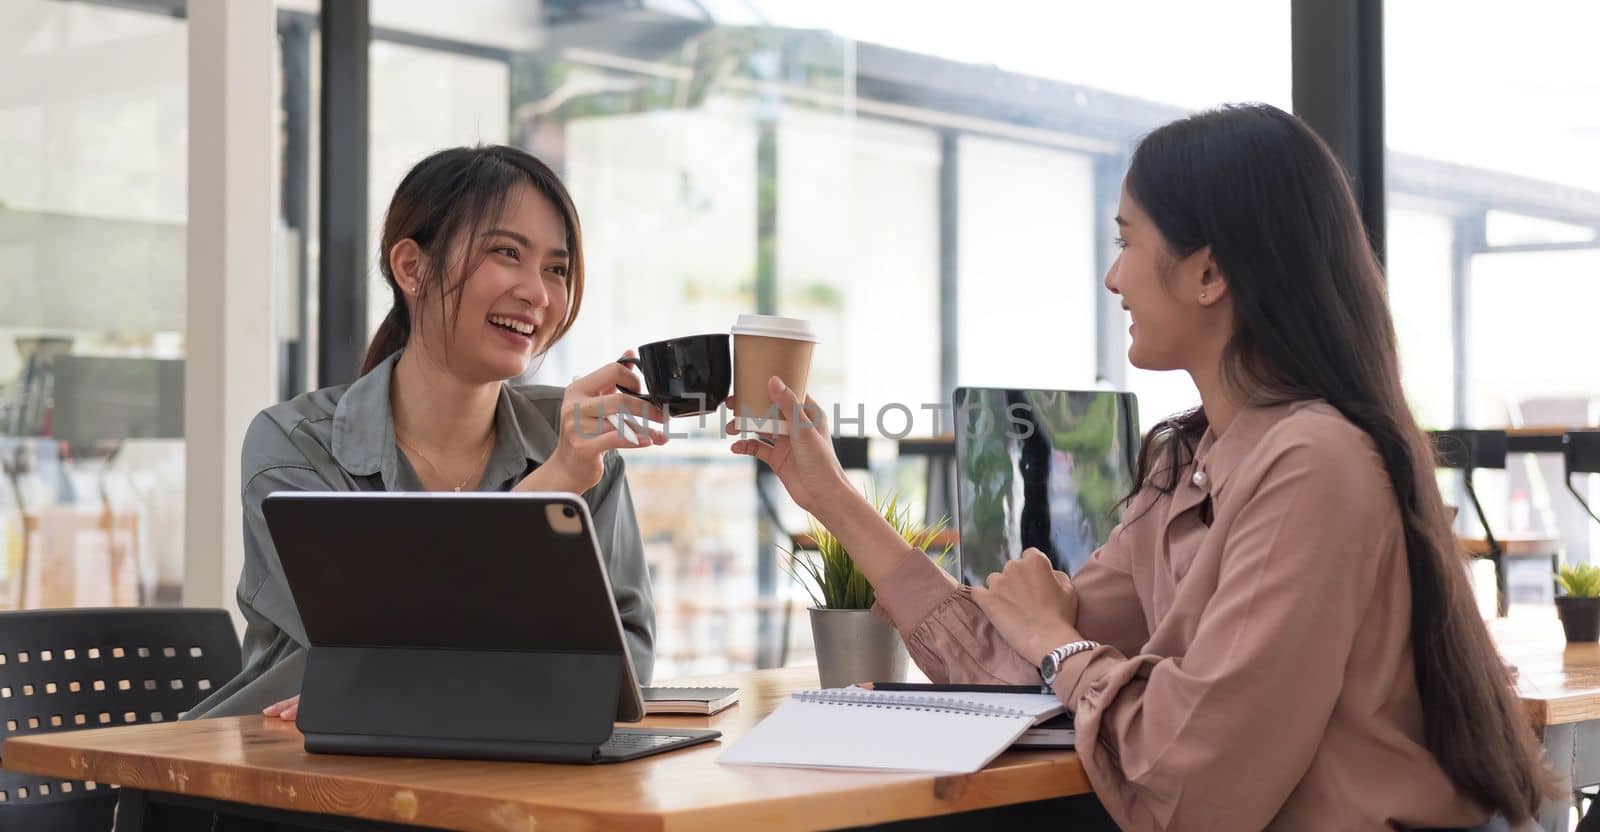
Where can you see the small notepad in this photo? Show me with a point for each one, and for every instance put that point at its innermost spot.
(851, 728)
(685, 700)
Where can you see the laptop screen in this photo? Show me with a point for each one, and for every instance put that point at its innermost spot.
(1042, 469)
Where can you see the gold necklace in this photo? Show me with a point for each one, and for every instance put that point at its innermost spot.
(488, 446)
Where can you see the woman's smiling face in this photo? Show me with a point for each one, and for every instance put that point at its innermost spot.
(1155, 286)
(509, 307)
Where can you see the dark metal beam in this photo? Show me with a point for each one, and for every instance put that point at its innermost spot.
(1104, 120)
(167, 8)
(449, 46)
(295, 39)
(342, 260)
(1471, 190)
(1539, 248)
(767, 218)
(949, 266)
(1338, 90)
(1466, 239)
(768, 646)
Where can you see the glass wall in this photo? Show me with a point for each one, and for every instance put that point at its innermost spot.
(1030, 263)
(1494, 235)
(790, 160)
(1028, 288)
(423, 100)
(716, 177)
(93, 178)
(816, 158)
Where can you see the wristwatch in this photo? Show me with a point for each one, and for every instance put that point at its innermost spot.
(1051, 664)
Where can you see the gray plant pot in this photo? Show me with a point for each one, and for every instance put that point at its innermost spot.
(856, 646)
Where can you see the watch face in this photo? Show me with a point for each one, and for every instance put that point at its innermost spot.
(1049, 667)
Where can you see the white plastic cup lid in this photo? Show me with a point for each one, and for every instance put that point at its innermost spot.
(772, 326)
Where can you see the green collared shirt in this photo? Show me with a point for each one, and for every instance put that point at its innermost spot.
(342, 439)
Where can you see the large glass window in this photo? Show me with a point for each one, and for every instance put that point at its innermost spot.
(1494, 235)
(424, 100)
(1028, 288)
(93, 205)
(858, 252)
(1030, 261)
(798, 160)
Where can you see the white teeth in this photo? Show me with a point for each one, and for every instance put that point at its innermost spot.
(520, 326)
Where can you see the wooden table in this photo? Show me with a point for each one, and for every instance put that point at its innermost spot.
(1559, 685)
(261, 763)
(1539, 439)
(1512, 545)
(254, 762)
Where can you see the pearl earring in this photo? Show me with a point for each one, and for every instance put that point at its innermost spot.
(1202, 295)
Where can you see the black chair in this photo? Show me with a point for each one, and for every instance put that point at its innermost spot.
(1581, 451)
(62, 670)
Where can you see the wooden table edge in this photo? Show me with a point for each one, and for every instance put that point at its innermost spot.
(1562, 710)
(910, 799)
(998, 784)
(278, 788)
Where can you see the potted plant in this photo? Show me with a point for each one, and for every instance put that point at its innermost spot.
(1579, 608)
(853, 643)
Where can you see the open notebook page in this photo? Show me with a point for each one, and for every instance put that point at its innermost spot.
(906, 732)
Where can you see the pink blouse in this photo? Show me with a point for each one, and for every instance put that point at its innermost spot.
(1256, 671)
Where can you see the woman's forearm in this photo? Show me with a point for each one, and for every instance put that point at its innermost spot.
(549, 478)
(873, 544)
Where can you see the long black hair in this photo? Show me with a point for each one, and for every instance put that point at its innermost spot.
(456, 192)
(1311, 321)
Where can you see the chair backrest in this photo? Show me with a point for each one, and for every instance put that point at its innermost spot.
(1464, 449)
(852, 452)
(1468, 450)
(62, 670)
(1581, 449)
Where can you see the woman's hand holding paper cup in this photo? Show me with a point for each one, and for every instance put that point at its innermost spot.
(806, 465)
(804, 459)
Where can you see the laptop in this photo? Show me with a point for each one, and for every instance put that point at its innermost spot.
(478, 626)
(1042, 469)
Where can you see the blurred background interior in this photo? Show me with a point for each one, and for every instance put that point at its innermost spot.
(934, 193)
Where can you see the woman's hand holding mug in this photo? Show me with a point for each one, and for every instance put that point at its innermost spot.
(595, 418)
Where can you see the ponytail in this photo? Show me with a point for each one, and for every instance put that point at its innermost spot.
(390, 338)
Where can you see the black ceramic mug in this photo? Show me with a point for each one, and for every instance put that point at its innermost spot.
(685, 376)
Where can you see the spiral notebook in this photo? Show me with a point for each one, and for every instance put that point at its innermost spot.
(950, 733)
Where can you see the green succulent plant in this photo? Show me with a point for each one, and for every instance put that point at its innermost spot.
(1580, 581)
(829, 574)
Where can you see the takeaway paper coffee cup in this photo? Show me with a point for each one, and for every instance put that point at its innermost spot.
(765, 346)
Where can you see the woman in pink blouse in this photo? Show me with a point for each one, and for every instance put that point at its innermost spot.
(1280, 634)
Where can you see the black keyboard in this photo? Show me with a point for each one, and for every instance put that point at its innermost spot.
(631, 743)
